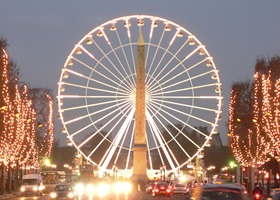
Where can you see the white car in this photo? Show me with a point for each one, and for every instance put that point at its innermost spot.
(179, 188)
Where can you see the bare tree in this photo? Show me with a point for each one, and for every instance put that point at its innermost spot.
(42, 100)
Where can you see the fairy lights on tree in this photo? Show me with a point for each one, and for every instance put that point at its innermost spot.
(17, 136)
(29, 119)
(254, 121)
(5, 107)
(271, 109)
(245, 141)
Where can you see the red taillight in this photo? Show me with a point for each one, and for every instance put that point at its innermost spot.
(162, 187)
(157, 190)
(168, 190)
(257, 195)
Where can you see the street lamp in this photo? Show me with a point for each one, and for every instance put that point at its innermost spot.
(210, 173)
(162, 171)
(115, 172)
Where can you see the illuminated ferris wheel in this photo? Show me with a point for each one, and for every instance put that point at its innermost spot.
(96, 93)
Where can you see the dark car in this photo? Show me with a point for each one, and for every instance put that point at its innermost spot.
(161, 188)
(63, 191)
(219, 192)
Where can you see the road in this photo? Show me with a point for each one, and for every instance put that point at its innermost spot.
(132, 196)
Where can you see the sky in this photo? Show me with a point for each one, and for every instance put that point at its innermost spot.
(41, 34)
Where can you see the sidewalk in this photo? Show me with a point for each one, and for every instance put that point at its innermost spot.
(7, 196)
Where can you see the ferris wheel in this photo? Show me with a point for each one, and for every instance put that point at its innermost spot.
(96, 93)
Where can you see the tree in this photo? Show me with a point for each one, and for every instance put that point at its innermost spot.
(254, 114)
(96, 143)
(62, 155)
(42, 99)
(245, 139)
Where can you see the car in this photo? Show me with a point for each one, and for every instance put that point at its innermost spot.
(150, 186)
(63, 191)
(32, 184)
(179, 188)
(220, 192)
(161, 188)
(274, 194)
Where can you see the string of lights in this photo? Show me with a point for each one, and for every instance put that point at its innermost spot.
(254, 141)
(17, 138)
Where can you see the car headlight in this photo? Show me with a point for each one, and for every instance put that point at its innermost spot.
(22, 189)
(79, 188)
(71, 195)
(35, 188)
(41, 187)
(53, 195)
(90, 188)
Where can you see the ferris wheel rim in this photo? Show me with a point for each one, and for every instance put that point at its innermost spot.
(115, 21)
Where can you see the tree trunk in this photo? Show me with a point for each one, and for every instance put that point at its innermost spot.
(3, 177)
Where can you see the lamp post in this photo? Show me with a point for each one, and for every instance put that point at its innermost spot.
(115, 172)
(16, 174)
(161, 174)
(210, 173)
(233, 166)
(164, 171)
(262, 173)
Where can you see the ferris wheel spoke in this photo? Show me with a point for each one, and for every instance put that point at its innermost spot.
(189, 79)
(161, 140)
(93, 105)
(173, 138)
(149, 154)
(101, 118)
(154, 57)
(186, 105)
(154, 140)
(165, 142)
(184, 89)
(156, 143)
(183, 113)
(149, 82)
(132, 81)
(125, 135)
(93, 88)
(178, 129)
(189, 97)
(96, 71)
(93, 113)
(149, 43)
(96, 81)
(104, 138)
(179, 74)
(117, 140)
(89, 97)
(110, 61)
(127, 22)
(109, 132)
(154, 92)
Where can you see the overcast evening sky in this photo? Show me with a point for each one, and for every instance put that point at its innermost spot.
(41, 34)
